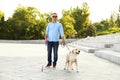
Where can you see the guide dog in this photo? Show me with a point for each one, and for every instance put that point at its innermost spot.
(70, 59)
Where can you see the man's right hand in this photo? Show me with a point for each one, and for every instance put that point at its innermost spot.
(46, 41)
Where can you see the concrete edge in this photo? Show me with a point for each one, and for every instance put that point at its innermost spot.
(32, 41)
(86, 49)
(111, 56)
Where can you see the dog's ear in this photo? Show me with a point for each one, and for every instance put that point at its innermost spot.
(73, 51)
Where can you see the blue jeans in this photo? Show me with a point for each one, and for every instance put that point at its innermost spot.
(52, 46)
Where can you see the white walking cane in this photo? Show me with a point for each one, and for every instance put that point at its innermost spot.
(42, 66)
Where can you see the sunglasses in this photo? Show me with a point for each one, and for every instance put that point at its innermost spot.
(54, 16)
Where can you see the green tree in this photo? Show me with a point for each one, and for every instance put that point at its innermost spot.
(112, 20)
(27, 22)
(118, 18)
(2, 27)
(81, 17)
(91, 31)
(47, 17)
(68, 24)
(1, 18)
(102, 27)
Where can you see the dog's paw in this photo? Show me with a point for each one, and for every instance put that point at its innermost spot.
(68, 71)
(77, 71)
(65, 69)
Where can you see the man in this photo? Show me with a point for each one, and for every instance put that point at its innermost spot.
(53, 30)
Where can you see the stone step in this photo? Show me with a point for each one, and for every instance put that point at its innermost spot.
(84, 48)
(112, 56)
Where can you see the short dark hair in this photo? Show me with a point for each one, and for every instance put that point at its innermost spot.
(54, 13)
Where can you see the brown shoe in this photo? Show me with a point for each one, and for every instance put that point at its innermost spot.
(48, 65)
(54, 66)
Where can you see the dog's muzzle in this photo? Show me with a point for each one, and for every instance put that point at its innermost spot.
(78, 52)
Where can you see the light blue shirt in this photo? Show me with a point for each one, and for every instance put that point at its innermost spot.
(54, 30)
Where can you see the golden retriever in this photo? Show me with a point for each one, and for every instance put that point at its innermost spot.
(70, 59)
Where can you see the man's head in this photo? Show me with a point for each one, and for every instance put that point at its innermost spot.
(54, 17)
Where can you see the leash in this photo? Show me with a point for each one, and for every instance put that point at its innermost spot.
(63, 44)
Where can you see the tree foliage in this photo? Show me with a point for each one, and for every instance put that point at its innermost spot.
(2, 23)
(68, 24)
(29, 23)
(81, 16)
(108, 26)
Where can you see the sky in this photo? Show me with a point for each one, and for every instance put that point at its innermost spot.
(99, 9)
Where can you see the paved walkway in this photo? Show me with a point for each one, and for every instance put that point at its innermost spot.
(24, 62)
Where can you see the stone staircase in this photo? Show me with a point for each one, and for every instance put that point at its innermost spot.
(106, 46)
